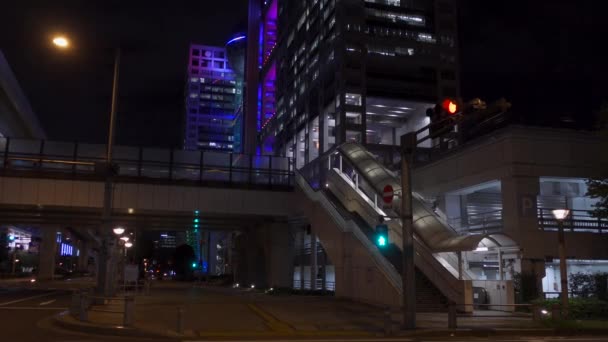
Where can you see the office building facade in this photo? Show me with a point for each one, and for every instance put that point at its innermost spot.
(214, 93)
(352, 70)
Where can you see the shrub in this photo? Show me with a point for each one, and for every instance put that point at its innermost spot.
(579, 308)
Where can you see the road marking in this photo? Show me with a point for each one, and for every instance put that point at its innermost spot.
(321, 340)
(28, 298)
(32, 308)
(48, 302)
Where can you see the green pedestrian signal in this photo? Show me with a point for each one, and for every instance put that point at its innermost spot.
(382, 235)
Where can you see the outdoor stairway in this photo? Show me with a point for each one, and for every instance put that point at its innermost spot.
(428, 297)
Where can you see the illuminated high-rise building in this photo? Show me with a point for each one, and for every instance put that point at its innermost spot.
(214, 96)
(329, 71)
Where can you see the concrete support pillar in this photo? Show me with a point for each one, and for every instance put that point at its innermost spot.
(313, 261)
(278, 251)
(519, 211)
(501, 272)
(48, 250)
(532, 272)
(83, 257)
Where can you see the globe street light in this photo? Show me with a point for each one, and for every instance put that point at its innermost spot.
(128, 244)
(560, 215)
(125, 239)
(118, 230)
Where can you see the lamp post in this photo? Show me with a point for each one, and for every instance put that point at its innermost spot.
(103, 283)
(124, 276)
(560, 215)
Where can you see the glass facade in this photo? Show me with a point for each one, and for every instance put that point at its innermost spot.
(214, 97)
(358, 71)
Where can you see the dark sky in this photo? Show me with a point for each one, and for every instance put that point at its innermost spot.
(548, 57)
(70, 90)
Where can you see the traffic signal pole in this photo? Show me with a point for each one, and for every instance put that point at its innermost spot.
(408, 144)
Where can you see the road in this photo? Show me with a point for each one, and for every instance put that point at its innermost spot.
(25, 316)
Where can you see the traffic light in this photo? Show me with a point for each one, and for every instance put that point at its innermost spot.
(193, 265)
(382, 235)
(450, 106)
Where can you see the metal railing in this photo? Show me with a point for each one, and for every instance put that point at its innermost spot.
(329, 285)
(78, 160)
(490, 221)
(579, 221)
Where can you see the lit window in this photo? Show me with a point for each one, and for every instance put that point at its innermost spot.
(352, 99)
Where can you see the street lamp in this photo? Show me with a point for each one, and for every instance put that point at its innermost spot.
(125, 239)
(61, 42)
(118, 230)
(103, 282)
(560, 215)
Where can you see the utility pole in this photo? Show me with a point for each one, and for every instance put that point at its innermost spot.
(408, 145)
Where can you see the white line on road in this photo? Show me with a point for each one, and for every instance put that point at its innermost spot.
(32, 308)
(28, 298)
(320, 340)
(48, 302)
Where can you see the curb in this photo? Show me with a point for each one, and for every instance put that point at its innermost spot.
(63, 320)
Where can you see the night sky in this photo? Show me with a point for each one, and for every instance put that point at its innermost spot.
(548, 57)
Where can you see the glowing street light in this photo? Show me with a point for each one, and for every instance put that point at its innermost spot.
(125, 238)
(560, 215)
(118, 230)
(61, 42)
(128, 244)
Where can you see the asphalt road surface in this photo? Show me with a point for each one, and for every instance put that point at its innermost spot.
(25, 316)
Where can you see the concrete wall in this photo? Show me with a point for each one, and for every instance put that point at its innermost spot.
(518, 156)
(356, 275)
(264, 256)
(89, 194)
(514, 152)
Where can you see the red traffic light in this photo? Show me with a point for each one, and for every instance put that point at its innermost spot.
(450, 106)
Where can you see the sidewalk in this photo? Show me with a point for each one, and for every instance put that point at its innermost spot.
(240, 313)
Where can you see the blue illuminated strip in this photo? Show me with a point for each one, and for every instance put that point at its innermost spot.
(235, 40)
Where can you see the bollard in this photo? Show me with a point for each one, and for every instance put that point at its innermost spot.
(179, 328)
(388, 322)
(83, 312)
(75, 305)
(556, 312)
(452, 317)
(129, 314)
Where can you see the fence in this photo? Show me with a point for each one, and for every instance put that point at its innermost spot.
(490, 221)
(579, 221)
(137, 163)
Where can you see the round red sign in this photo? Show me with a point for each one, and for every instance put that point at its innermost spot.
(388, 194)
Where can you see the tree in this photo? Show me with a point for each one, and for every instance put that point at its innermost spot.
(598, 188)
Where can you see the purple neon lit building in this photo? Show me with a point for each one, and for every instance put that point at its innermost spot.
(213, 98)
